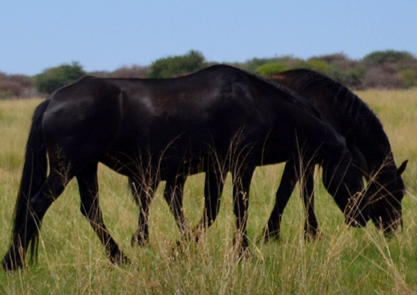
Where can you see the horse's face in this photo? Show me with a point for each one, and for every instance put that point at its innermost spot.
(386, 194)
(345, 184)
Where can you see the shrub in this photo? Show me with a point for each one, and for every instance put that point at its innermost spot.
(271, 68)
(382, 77)
(408, 77)
(253, 64)
(10, 89)
(23, 80)
(53, 78)
(173, 66)
(133, 71)
(333, 58)
(390, 56)
(352, 77)
(15, 86)
(318, 65)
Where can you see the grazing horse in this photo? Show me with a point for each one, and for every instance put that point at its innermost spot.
(365, 139)
(217, 120)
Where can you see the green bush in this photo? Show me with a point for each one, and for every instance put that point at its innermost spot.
(380, 57)
(408, 77)
(352, 77)
(53, 78)
(177, 65)
(319, 65)
(253, 64)
(271, 68)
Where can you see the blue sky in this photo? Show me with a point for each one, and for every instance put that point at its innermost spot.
(105, 35)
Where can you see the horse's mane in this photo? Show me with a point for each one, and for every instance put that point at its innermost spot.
(366, 126)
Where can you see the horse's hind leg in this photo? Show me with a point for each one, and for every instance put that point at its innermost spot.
(213, 188)
(311, 227)
(90, 208)
(28, 220)
(174, 196)
(143, 193)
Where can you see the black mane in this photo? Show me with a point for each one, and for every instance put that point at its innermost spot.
(359, 121)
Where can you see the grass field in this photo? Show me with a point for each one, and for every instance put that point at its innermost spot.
(345, 261)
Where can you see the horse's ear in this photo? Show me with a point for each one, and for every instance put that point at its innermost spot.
(402, 167)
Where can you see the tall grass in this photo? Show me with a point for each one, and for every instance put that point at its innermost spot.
(344, 261)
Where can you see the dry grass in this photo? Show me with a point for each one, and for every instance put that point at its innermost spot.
(345, 261)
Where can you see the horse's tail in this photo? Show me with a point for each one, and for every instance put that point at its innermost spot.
(33, 176)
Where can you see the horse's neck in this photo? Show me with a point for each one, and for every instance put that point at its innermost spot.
(380, 164)
(366, 131)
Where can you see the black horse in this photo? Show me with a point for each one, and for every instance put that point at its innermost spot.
(365, 139)
(217, 120)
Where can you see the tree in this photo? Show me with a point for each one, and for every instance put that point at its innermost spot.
(380, 57)
(177, 65)
(53, 78)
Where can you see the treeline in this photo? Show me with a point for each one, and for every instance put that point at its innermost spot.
(387, 69)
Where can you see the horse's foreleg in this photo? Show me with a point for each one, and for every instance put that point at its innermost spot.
(90, 208)
(174, 196)
(311, 227)
(285, 189)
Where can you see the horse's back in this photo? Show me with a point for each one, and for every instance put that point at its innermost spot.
(215, 109)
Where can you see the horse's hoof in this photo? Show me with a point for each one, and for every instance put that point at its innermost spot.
(138, 241)
(315, 235)
(11, 263)
(120, 259)
(245, 253)
(270, 235)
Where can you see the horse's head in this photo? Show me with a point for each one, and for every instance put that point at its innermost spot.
(344, 182)
(386, 192)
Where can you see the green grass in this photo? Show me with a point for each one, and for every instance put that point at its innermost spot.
(346, 261)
